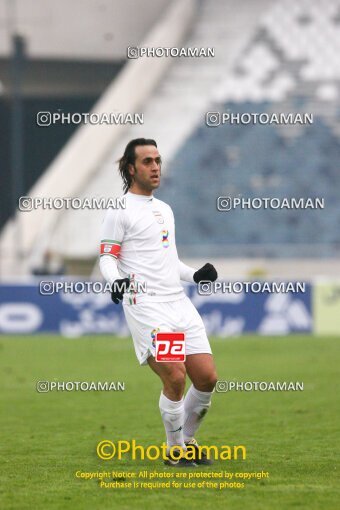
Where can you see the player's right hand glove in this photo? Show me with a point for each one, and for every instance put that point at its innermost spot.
(207, 273)
(118, 288)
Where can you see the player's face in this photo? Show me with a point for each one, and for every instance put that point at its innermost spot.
(147, 169)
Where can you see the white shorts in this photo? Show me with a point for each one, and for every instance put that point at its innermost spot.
(147, 319)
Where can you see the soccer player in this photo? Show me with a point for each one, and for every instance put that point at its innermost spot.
(138, 253)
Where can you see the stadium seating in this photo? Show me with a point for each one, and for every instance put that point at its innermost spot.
(288, 65)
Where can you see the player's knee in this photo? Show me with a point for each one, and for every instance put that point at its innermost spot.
(207, 382)
(176, 382)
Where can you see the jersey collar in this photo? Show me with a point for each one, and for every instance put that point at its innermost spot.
(140, 198)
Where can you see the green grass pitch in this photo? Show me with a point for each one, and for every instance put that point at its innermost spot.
(46, 438)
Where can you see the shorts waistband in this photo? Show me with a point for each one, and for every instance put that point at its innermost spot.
(133, 299)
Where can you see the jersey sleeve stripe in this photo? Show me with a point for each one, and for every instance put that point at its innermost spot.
(110, 241)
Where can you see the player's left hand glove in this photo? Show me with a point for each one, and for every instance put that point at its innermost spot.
(118, 288)
(207, 273)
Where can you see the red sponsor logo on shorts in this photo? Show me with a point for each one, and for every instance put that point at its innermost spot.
(170, 347)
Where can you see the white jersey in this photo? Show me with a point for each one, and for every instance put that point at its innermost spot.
(141, 238)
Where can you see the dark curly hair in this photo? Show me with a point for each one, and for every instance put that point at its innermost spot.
(129, 158)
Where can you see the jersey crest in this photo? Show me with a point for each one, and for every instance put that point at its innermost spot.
(158, 216)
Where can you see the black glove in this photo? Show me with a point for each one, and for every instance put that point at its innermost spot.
(207, 273)
(118, 288)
